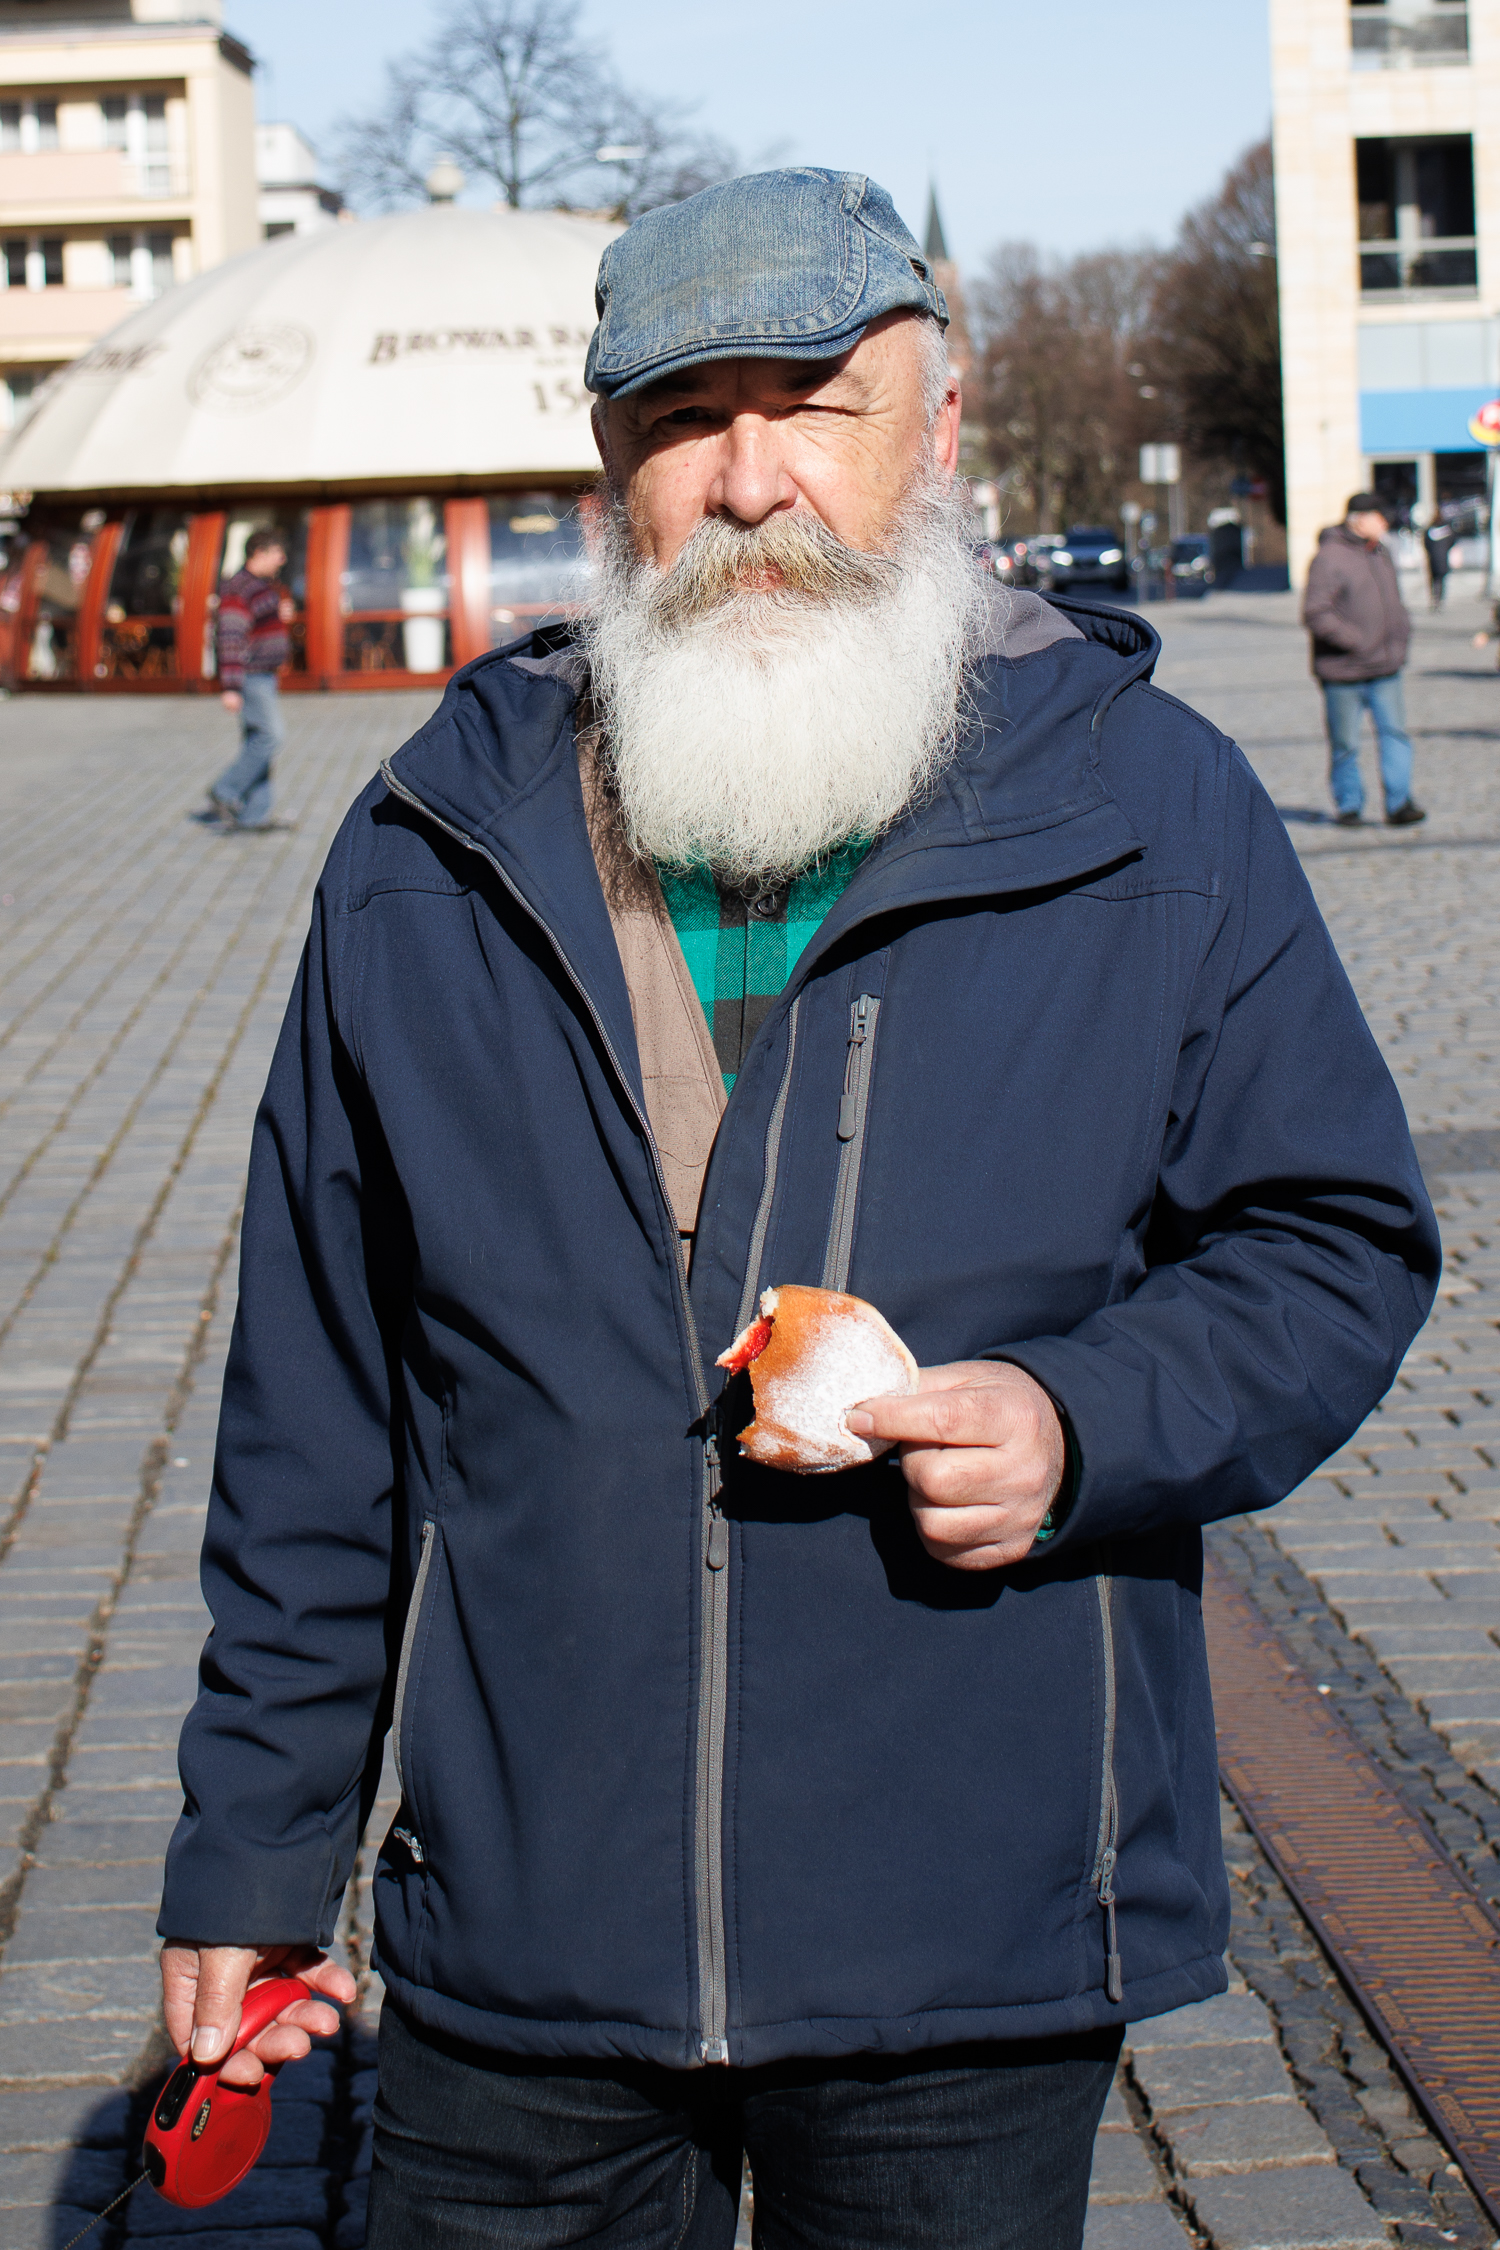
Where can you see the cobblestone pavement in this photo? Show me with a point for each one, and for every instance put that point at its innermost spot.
(143, 967)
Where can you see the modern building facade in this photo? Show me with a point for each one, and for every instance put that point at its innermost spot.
(1386, 135)
(127, 164)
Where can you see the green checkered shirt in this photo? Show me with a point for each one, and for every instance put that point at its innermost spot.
(740, 953)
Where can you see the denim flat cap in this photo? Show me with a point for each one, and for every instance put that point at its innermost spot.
(777, 265)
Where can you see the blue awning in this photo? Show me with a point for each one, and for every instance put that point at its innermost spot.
(1419, 421)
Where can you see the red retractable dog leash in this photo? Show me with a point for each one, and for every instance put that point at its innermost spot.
(203, 2136)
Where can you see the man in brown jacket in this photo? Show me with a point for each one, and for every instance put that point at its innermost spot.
(1359, 626)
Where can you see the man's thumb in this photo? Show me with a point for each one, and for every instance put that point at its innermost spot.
(224, 1973)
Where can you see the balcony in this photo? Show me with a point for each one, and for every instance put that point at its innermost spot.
(1442, 265)
(1408, 34)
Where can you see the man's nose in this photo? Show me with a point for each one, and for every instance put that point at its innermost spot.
(751, 479)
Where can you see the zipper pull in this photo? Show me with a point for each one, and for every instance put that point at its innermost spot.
(718, 1541)
(714, 2050)
(405, 1836)
(858, 1033)
(1114, 1983)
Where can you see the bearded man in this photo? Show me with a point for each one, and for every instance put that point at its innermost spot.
(806, 914)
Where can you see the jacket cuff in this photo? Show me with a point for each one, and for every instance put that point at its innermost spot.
(223, 1893)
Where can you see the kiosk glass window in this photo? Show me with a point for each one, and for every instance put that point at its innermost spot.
(396, 588)
(52, 652)
(140, 631)
(538, 567)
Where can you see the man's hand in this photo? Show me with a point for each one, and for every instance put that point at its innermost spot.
(982, 1451)
(203, 1990)
(232, 699)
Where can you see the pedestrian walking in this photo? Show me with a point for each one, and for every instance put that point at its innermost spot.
(806, 911)
(255, 610)
(1437, 545)
(1360, 631)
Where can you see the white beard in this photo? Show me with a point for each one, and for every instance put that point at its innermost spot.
(758, 728)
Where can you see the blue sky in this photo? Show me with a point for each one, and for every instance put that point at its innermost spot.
(1069, 125)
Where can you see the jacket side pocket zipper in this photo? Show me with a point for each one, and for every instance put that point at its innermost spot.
(854, 1110)
(1106, 1851)
(414, 1611)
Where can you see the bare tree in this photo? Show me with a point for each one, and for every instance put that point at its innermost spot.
(1060, 408)
(511, 90)
(1215, 349)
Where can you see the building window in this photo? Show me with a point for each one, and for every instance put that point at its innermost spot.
(20, 383)
(162, 273)
(1386, 38)
(15, 263)
(52, 261)
(1416, 215)
(114, 108)
(28, 126)
(120, 249)
(275, 228)
(156, 166)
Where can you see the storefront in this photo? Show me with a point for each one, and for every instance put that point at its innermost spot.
(429, 466)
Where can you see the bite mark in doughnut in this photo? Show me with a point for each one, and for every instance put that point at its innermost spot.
(813, 1354)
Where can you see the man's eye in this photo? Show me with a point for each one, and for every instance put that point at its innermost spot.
(682, 416)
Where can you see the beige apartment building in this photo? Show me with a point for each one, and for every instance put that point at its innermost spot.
(127, 163)
(1387, 147)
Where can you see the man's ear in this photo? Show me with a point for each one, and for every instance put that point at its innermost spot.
(601, 434)
(945, 430)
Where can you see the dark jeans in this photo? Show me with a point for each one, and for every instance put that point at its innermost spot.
(963, 2148)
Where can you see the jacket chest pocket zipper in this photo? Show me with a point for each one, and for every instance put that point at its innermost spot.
(854, 1110)
(414, 1613)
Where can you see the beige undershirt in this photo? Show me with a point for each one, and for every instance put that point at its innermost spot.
(680, 1073)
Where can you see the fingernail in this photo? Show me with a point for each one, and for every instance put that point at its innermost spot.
(859, 1422)
(206, 2042)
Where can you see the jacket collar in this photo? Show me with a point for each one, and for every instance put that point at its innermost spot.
(496, 766)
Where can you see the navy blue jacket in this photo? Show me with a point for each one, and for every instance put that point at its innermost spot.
(701, 1772)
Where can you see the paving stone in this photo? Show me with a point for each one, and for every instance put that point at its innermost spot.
(1187, 2077)
(1307, 2208)
(1125, 2226)
(63, 2117)
(1244, 2137)
(44, 2226)
(1229, 2016)
(1123, 2172)
(86, 2177)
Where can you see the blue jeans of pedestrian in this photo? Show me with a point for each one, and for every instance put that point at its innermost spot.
(244, 788)
(986, 2147)
(1344, 701)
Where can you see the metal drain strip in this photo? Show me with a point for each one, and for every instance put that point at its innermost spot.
(1406, 1928)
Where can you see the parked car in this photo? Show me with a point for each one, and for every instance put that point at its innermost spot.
(1012, 562)
(1088, 555)
(1192, 564)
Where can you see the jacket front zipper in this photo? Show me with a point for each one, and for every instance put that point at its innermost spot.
(854, 1109)
(1106, 1850)
(708, 1814)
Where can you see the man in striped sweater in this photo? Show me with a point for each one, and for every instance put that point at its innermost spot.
(255, 610)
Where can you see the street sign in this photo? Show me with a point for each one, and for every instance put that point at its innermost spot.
(1484, 427)
(1162, 464)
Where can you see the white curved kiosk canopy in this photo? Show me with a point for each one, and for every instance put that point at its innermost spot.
(443, 345)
